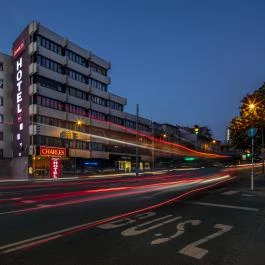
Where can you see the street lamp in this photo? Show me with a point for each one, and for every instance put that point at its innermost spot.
(76, 125)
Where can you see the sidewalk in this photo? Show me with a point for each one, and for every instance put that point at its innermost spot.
(86, 177)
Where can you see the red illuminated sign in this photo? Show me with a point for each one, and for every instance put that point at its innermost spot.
(52, 151)
(55, 167)
(19, 48)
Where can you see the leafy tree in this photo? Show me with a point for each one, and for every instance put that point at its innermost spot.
(252, 114)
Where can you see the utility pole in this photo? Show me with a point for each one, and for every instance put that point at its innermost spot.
(153, 146)
(136, 149)
(262, 153)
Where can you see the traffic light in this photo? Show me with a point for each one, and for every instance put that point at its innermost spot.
(196, 129)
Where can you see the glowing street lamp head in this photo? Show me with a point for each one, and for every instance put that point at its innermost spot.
(214, 141)
(251, 106)
(79, 122)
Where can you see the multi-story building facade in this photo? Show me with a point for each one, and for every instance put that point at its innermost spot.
(5, 106)
(62, 100)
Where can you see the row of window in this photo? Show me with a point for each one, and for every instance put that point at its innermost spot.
(48, 44)
(56, 67)
(47, 63)
(56, 48)
(45, 82)
(81, 111)
(75, 57)
(58, 142)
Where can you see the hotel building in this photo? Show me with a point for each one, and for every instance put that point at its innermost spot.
(62, 105)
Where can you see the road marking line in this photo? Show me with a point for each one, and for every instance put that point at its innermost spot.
(230, 192)
(192, 250)
(227, 206)
(133, 231)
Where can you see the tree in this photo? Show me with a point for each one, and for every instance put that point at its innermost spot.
(252, 114)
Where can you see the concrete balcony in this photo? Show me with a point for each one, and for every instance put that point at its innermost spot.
(78, 101)
(33, 109)
(33, 47)
(102, 78)
(78, 50)
(51, 112)
(50, 34)
(82, 86)
(99, 108)
(33, 68)
(97, 60)
(45, 130)
(79, 68)
(52, 55)
(118, 99)
(44, 91)
(117, 113)
(98, 92)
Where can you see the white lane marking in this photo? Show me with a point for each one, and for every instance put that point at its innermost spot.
(133, 231)
(180, 231)
(22, 243)
(192, 250)
(227, 206)
(126, 221)
(31, 244)
(230, 192)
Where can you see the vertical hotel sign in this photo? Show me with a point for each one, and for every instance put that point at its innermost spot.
(20, 146)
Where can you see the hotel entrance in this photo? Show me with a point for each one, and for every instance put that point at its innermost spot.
(47, 162)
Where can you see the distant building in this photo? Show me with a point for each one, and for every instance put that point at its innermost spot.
(6, 117)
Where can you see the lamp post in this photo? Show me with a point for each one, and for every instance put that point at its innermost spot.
(77, 124)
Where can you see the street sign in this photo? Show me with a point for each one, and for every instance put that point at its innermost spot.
(251, 132)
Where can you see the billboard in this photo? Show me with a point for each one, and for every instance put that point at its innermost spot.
(21, 96)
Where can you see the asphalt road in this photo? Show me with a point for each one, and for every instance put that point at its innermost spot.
(118, 221)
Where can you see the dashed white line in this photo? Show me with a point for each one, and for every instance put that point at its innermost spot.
(227, 206)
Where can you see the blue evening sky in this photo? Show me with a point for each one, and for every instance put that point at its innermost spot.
(185, 62)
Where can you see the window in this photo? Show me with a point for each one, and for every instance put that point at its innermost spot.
(1, 136)
(1, 153)
(98, 100)
(115, 105)
(97, 115)
(47, 63)
(98, 69)
(77, 93)
(1, 118)
(1, 83)
(77, 76)
(75, 109)
(45, 82)
(1, 101)
(130, 124)
(97, 84)
(1, 66)
(49, 103)
(50, 45)
(116, 120)
(75, 57)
